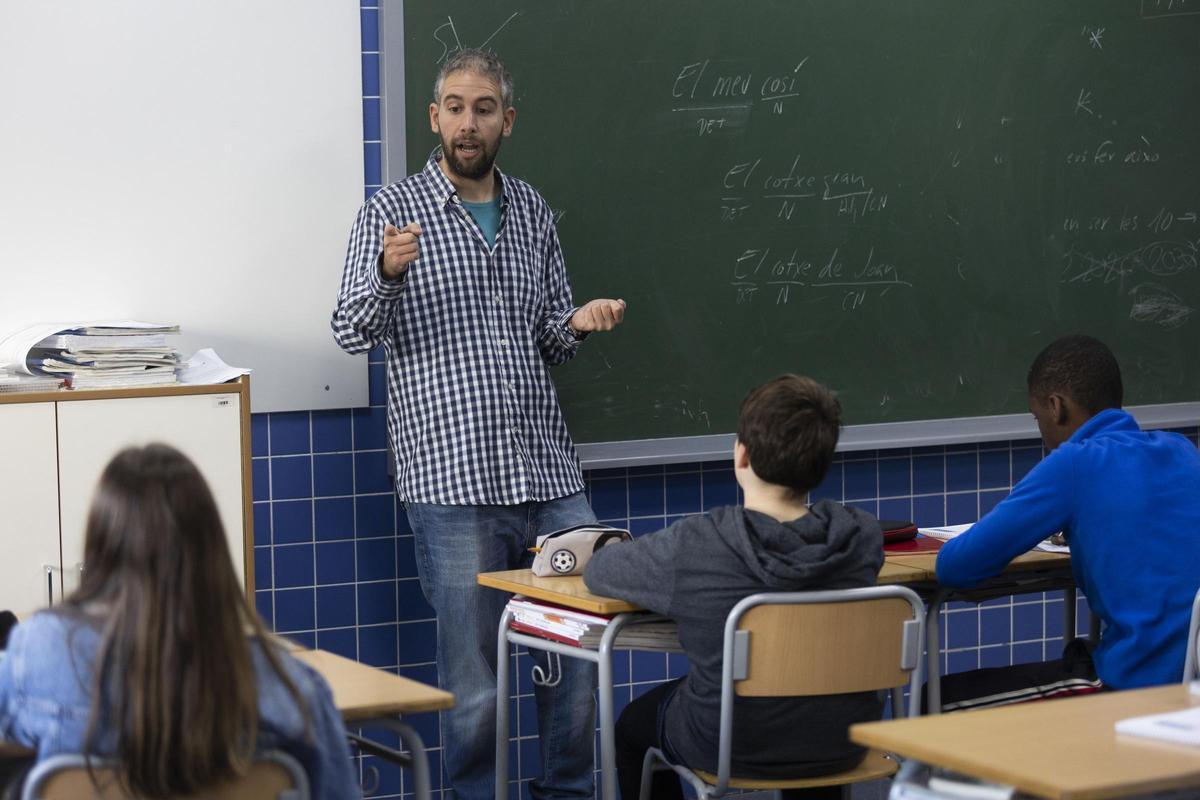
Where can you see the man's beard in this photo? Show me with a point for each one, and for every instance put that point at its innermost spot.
(477, 169)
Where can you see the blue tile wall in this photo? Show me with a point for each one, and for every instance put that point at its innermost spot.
(334, 559)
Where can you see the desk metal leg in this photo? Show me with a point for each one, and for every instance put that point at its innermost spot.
(1069, 601)
(502, 656)
(420, 760)
(603, 660)
(608, 746)
(898, 709)
(933, 652)
(416, 759)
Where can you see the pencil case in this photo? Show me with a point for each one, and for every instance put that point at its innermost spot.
(567, 552)
(897, 530)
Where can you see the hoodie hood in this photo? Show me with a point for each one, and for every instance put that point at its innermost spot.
(832, 546)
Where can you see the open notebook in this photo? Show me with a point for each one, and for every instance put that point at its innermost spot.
(1181, 727)
(947, 532)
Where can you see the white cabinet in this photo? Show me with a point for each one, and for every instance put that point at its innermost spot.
(55, 449)
(28, 505)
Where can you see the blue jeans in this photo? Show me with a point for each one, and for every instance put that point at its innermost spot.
(454, 543)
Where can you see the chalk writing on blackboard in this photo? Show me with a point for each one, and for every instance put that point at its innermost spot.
(1152, 9)
(447, 36)
(1161, 221)
(747, 182)
(1094, 36)
(761, 268)
(1157, 304)
(718, 98)
(1109, 152)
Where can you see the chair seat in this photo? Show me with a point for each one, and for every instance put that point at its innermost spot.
(875, 766)
(262, 781)
(273, 774)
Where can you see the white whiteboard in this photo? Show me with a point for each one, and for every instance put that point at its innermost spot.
(196, 162)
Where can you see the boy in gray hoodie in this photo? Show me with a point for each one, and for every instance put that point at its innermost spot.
(696, 570)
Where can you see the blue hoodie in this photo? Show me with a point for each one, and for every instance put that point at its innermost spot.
(1129, 503)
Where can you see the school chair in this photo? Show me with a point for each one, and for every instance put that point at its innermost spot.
(1189, 662)
(274, 774)
(787, 644)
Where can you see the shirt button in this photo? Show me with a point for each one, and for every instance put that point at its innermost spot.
(504, 342)
(512, 386)
(499, 299)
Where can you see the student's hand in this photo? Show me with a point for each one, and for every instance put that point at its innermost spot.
(400, 248)
(598, 315)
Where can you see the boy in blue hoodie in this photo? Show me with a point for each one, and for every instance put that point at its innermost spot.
(1128, 502)
(696, 570)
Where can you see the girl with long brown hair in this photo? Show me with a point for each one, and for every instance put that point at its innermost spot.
(157, 661)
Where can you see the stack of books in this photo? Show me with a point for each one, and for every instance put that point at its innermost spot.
(583, 629)
(104, 357)
(12, 381)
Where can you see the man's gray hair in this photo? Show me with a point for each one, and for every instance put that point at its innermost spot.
(481, 62)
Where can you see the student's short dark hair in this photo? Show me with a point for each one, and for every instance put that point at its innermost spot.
(1081, 368)
(790, 426)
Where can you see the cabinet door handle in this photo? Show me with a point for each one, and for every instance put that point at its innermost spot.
(78, 570)
(50, 570)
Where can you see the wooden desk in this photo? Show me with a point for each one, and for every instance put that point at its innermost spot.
(1029, 572)
(363, 692)
(570, 590)
(895, 571)
(1060, 749)
(912, 569)
(1034, 571)
(366, 695)
(1033, 561)
(567, 590)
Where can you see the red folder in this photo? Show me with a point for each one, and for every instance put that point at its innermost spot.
(919, 544)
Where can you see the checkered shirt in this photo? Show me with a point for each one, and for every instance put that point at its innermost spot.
(469, 331)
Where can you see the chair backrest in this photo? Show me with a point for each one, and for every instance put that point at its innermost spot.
(787, 644)
(274, 774)
(1190, 660)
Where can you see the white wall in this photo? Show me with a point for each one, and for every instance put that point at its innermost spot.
(194, 161)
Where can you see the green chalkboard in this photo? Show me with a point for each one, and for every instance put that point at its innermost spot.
(904, 199)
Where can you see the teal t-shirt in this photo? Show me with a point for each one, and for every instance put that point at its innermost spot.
(487, 217)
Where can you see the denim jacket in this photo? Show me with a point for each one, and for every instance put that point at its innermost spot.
(45, 701)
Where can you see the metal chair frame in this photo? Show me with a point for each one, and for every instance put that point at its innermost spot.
(735, 667)
(1189, 662)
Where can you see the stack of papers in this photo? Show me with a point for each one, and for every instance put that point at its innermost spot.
(942, 784)
(108, 355)
(205, 366)
(585, 630)
(100, 355)
(948, 532)
(1181, 727)
(11, 382)
(660, 635)
(554, 622)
